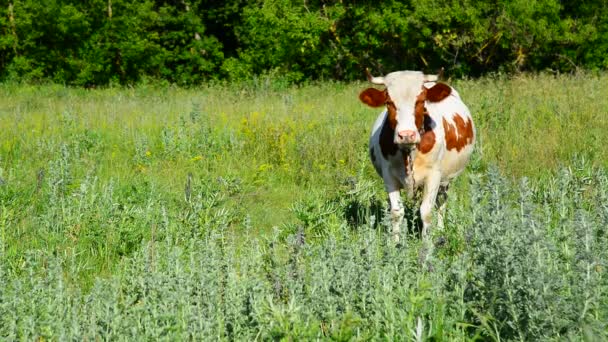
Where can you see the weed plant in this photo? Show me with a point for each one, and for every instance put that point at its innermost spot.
(253, 213)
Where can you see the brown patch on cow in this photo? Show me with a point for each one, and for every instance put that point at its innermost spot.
(406, 162)
(457, 137)
(427, 141)
(374, 97)
(420, 109)
(424, 123)
(387, 137)
(438, 92)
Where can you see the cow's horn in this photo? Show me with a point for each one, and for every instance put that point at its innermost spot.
(372, 79)
(440, 73)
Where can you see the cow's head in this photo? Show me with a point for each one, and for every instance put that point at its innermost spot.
(399, 97)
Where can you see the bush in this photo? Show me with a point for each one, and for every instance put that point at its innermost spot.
(190, 42)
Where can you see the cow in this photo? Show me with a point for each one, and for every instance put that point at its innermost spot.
(421, 141)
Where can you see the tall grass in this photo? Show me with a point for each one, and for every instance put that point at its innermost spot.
(251, 211)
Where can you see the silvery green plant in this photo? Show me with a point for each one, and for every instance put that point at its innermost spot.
(529, 263)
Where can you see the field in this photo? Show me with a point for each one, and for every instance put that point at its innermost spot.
(250, 211)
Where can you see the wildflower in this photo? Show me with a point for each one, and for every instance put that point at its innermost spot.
(264, 167)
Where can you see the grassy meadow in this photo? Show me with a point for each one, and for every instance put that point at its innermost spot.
(251, 211)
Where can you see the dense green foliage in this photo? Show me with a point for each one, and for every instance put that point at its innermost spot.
(252, 211)
(188, 42)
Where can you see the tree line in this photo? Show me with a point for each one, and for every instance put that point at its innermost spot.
(188, 42)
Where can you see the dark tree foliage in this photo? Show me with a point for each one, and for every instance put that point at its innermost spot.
(97, 42)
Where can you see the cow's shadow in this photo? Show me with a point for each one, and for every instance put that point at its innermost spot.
(359, 213)
(376, 214)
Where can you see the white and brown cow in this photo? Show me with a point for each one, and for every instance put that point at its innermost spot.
(422, 140)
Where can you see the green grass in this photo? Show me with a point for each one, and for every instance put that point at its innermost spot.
(530, 126)
(160, 212)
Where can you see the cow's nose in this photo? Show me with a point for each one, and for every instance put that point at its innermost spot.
(407, 135)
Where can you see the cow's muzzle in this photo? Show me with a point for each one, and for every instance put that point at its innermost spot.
(407, 137)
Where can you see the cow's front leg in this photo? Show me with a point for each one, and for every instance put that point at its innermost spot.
(397, 213)
(428, 201)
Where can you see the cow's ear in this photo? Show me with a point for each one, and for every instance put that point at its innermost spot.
(373, 97)
(438, 92)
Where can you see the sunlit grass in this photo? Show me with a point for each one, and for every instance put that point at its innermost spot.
(108, 181)
(532, 125)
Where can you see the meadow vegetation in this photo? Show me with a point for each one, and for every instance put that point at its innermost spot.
(250, 211)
